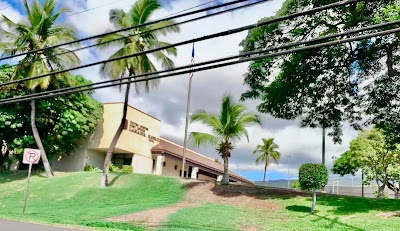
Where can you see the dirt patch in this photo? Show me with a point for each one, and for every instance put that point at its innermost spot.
(200, 193)
(389, 214)
(152, 217)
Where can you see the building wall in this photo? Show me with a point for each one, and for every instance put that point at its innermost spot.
(94, 158)
(71, 163)
(142, 164)
(169, 169)
(142, 133)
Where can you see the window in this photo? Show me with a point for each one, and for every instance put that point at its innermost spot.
(164, 163)
(176, 167)
(122, 159)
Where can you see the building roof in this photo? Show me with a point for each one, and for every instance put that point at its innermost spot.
(176, 150)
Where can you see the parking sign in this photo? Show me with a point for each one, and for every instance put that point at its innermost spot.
(31, 156)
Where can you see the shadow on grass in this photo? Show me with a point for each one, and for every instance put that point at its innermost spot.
(344, 205)
(115, 178)
(333, 222)
(6, 177)
(299, 208)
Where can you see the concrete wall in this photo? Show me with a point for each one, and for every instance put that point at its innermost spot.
(169, 169)
(71, 163)
(94, 158)
(142, 164)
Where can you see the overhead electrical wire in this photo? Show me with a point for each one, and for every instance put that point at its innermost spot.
(258, 55)
(144, 32)
(129, 28)
(215, 35)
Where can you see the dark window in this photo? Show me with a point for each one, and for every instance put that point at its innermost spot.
(164, 163)
(184, 173)
(176, 167)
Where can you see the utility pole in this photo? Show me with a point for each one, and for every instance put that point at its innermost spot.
(288, 175)
(323, 145)
(333, 178)
(187, 118)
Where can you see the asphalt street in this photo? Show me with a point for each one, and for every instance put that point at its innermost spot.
(20, 226)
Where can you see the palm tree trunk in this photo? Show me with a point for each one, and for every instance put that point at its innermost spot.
(225, 178)
(265, 171)
(36, 135)
(110, 151)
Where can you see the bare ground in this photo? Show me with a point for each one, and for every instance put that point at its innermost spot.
(208, 192)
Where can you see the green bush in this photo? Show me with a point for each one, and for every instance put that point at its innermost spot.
(127, 169)
(295, 184)
(313, 177)
(114, 168)
(90, 168)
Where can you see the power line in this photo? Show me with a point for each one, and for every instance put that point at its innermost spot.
(148, 31)
(129, 28)
(220, 34)
(94, 8)
(285, 46)
(90, 87)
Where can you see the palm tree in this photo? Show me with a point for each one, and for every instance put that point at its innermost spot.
(227, 128)
(267, 151)
(38, 30)
(130, 42)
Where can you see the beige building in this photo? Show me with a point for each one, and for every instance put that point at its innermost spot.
(142, 147)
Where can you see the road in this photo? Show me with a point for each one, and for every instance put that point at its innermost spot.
(14, 226)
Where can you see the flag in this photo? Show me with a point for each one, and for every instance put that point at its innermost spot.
(192, 62)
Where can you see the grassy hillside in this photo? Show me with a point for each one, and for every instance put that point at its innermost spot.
(77, 199)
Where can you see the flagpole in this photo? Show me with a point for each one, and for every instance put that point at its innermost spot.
(187, 118)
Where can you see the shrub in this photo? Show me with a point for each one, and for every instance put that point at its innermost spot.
(114, 168)
(90, 168)
(313, 177)
(127, 169)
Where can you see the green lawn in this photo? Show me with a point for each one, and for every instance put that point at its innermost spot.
(77, 199)
(333, 213)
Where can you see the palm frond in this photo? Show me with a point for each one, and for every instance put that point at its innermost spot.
(199, 138)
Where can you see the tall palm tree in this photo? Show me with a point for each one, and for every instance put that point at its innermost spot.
(227, 128)
(267, 151)
(130, 42)
(38, 30)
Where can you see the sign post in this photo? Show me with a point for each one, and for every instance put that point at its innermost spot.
(31, 156)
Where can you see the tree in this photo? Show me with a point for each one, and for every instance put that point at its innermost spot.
(313, 177)
(63, 121)
(267, 151)
(227, 127)
(322, 87)
(39, 30)
(130, 42)
(5, 153)
(377, 158)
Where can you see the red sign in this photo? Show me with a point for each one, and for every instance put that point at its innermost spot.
(31, 156)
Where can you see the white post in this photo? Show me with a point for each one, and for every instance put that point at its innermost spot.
(27, 188)
(288, 175)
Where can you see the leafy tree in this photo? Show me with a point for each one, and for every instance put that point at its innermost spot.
(227, 128)
(313, 177)
(267, 151)
(5, 153)
(130, 42)
(62, 121)
(322, 87)
(377, 158)
(38, 30)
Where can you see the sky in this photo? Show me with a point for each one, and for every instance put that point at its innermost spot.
(168, 101)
